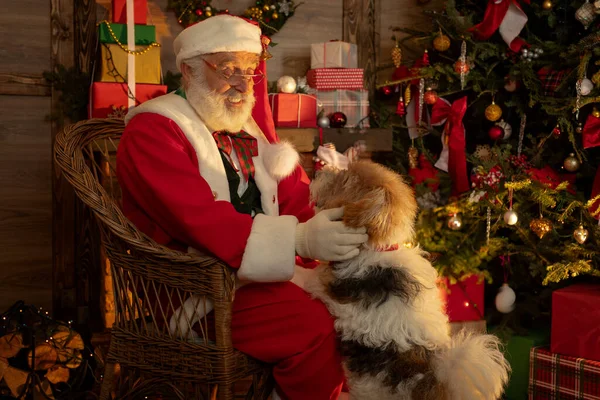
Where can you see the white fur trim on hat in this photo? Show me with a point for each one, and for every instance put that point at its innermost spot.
(221, 33)
(280, 159)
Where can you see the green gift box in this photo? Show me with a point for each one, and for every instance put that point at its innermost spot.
(517, 350)
(144, 34)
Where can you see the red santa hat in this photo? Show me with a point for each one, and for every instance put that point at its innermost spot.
(227, 33)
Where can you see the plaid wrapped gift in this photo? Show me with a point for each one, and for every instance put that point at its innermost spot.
(336, 78)
(553, 376)
(551, 80)
(353, 103)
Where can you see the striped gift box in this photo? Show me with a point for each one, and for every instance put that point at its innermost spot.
(335, 78)
(554, 376)
(353, 103)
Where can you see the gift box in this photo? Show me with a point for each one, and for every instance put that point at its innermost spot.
(336, 78)
(555, 376)
(113, 65)
(119, 11)
(353, 103)
(576, 321)
(517, 349)
(110, 100)
(293, 110)
(144, 34)
(463, 299)
(333, 54)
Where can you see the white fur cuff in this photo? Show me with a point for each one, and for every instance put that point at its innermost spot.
(280, 159)
(270, 252)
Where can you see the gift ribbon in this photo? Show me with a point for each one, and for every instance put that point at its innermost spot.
(325, 54)
(505, 16)
(591, 132)
(453, 158)
(131, 57)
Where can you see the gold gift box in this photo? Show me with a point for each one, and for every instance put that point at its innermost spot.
(114, 64)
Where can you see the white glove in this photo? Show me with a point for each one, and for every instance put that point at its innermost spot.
(325, 238)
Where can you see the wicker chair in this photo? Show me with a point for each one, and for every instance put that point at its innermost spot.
(149, 355)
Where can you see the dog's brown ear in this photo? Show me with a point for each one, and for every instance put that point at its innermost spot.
(373, 212)
(388, 210)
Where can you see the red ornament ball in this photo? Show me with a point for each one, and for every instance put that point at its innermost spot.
(430, 97)
(461, 67)
(496, 132)
(386, 91)
(338, 119)
(556, 132)
(199, 12)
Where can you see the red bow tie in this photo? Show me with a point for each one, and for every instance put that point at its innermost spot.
(245, 147)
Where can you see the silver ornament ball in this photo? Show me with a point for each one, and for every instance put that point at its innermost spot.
(455, 222)
(505, 299)
(323, 122)
(506, 128)
(511, 217)
(571, 163)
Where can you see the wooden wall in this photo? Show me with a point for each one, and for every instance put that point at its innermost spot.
(25, 154)
(313, 22)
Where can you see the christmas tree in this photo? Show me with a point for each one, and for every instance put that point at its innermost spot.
(496, 126)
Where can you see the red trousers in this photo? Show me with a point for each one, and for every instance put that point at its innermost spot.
(279, 323)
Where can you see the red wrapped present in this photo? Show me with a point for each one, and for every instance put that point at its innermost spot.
(294, 110)
(119, 11)
(109, 100)
(353, 103)
(335, 78)
(463, 299)
(553, 376)
(576, 321)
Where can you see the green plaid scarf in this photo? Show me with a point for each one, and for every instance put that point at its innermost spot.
(245, 147)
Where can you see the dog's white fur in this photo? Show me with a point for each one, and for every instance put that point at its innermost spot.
(471, 367)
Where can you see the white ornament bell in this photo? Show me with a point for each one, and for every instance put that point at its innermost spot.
(585, 86)
(505, 299)
(286, 84)
(511, 217)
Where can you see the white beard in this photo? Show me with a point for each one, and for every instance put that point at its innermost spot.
(211, 107)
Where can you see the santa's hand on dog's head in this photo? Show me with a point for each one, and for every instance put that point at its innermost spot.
(325, 237)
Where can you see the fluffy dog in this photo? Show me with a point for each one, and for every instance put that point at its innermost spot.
(393, 331)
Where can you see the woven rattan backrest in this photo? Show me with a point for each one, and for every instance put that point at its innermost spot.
(151, 281)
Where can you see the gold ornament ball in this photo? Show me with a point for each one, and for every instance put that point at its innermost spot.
(493, 112)
(571, 163)
(208, 13)
(580, 234)
(461, 67)
(540, 226)
(275, 16)
(455, 222)
(441, 42)
(596, 113)
(266, 7)
(547, 4)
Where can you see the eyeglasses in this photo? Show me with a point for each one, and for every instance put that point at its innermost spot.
(232, 78)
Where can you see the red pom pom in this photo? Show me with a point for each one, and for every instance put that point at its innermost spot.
(496, 133)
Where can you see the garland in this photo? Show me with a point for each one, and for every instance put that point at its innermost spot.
(270, 14)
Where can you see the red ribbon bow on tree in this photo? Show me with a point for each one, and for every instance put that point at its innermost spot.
(591, 138)
(453, 158)
(507, 17)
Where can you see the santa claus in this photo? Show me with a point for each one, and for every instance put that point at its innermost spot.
(202, 168)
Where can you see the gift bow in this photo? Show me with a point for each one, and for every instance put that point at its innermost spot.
(453, 158)
(507, 17)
